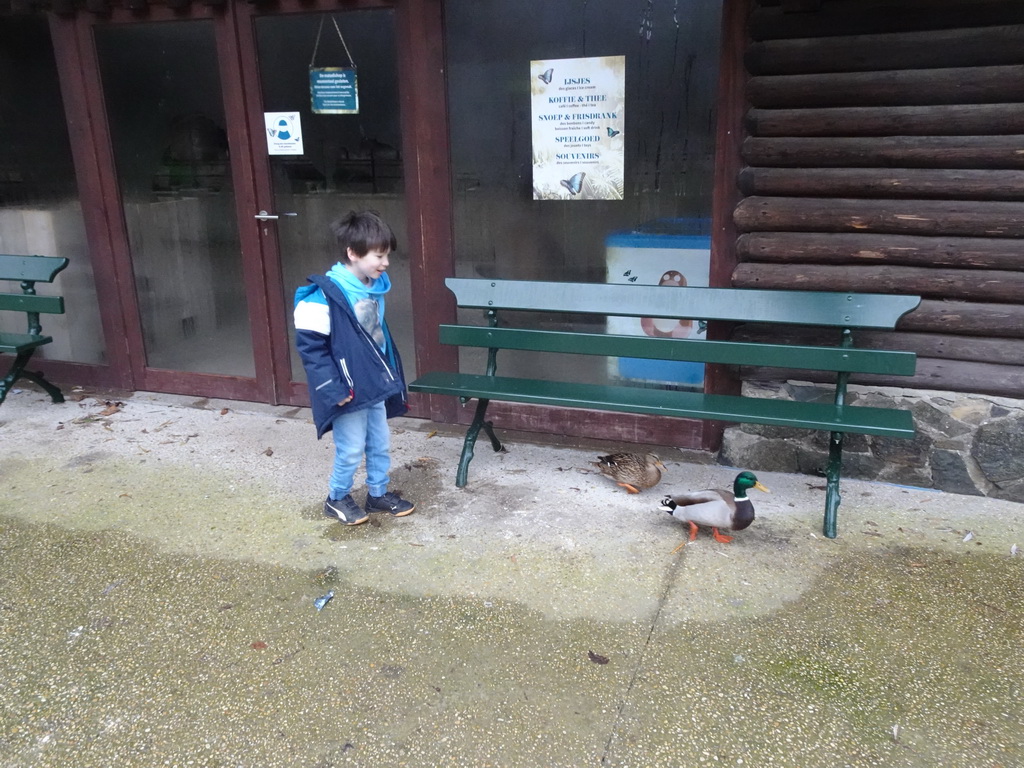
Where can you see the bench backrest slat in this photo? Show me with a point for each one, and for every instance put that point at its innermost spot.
(53, 305)
(40, 269)
(691, 350)
(845, 310)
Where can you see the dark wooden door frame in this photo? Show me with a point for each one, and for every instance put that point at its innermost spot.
(78, 83)
(729, 135)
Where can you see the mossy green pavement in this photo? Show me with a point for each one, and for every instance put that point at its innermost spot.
(159, 559)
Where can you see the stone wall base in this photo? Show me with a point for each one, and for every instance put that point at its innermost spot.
(971, 444)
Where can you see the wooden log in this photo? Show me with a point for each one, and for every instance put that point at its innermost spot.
(971, 152)
(931, 183)
(898, 88)
(932, 120)
(860, 248)
(958, 284)
(977, 47)
(899, 217)
(934, 345)
(868, 17)
(943, 375)
(965, 319)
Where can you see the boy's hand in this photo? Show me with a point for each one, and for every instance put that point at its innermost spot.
(351, 394)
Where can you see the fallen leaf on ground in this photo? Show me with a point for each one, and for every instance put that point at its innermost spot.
(597, 658)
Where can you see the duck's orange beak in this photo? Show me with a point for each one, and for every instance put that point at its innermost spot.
(761, 487)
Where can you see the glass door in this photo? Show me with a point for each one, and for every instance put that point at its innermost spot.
(328, 161)
(208, 226)
(165, 108)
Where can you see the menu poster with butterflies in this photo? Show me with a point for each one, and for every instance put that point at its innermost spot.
(578, 128)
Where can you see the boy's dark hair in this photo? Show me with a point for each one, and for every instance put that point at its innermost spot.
(363, 232)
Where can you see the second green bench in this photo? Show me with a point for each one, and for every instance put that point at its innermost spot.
(845, 312)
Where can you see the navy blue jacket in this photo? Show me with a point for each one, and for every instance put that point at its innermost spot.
(348, 360)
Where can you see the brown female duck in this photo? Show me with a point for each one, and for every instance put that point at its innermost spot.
(633, 471)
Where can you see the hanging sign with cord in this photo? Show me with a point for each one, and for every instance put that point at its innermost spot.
(333, 90)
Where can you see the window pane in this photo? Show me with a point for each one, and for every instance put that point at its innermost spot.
(40, 211)
(166, 116)
(671, 54)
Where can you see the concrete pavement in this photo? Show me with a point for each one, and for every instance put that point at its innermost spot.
(161, 555)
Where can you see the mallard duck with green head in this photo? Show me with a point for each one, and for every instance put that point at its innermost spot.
(718, 509)
(633, 471)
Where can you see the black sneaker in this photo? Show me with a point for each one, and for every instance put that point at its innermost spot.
(389, 502)
(344, 510)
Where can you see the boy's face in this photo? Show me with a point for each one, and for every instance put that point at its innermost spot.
(368, 267)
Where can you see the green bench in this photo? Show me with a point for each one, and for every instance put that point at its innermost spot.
(845, 312)
(28, 270)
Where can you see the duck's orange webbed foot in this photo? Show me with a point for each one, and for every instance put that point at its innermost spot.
(629, 488)
(721, 537)
(684, 542)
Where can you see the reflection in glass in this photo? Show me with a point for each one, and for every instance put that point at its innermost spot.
(166, 118)
(40, 212)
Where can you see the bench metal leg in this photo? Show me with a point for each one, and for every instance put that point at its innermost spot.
(462, 476)
(18, 372)
(55, 394)
(832, 496)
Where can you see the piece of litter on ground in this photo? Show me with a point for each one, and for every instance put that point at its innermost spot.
(1014, 550)
(969, 536)
(320, 602)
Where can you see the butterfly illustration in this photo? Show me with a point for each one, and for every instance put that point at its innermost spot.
(546, 76)
(612, 132)
(575, 184)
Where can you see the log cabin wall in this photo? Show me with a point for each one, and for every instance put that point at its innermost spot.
(885, 153)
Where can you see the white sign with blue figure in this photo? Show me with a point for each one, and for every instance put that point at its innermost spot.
(284, 133)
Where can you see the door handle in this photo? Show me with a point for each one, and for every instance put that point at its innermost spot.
(264, 216)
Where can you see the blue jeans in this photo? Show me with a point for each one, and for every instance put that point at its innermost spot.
(361, 432)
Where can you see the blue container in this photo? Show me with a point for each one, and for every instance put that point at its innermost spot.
(668, 252)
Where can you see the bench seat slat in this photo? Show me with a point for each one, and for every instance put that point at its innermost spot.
(872, 421)
(14, 343)
(844, 310)
(687, 350)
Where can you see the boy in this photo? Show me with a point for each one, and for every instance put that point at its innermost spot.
(352, 366)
